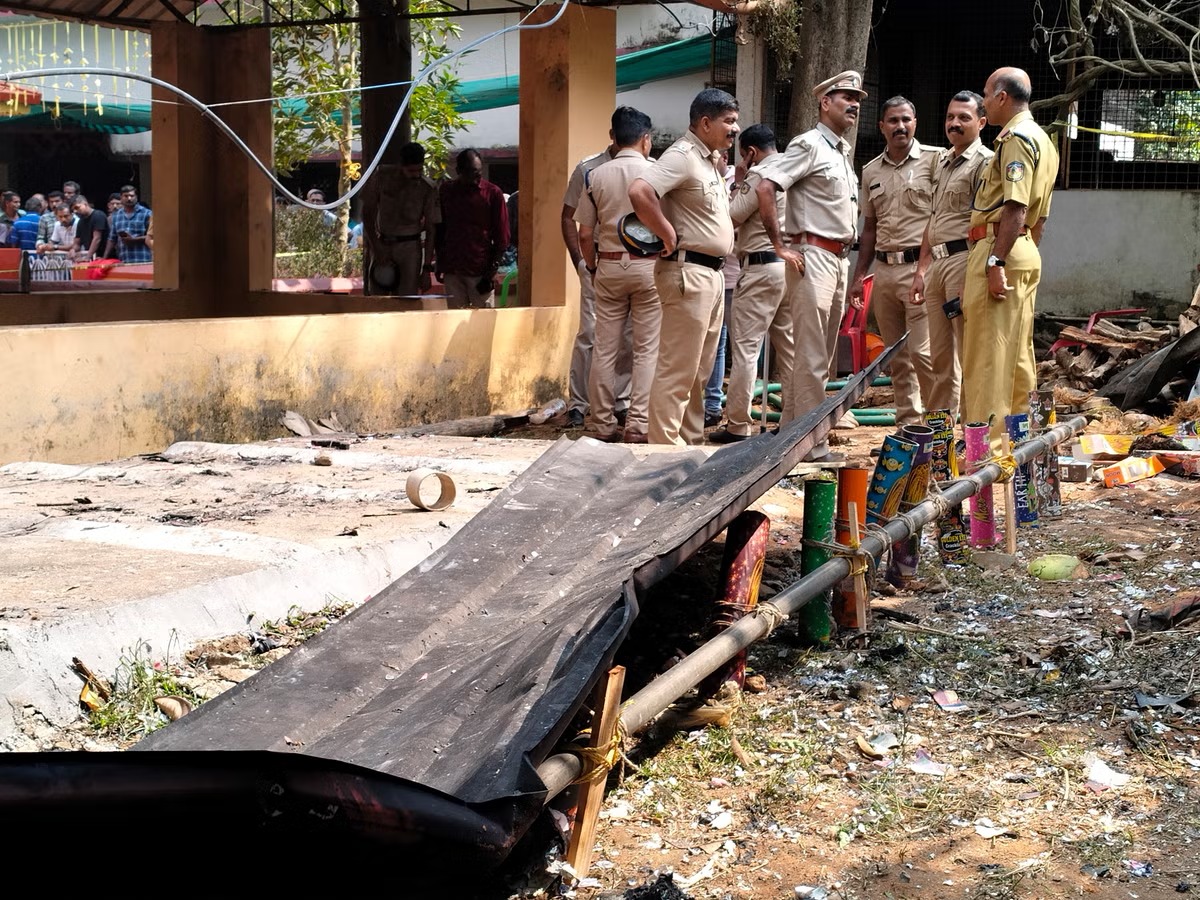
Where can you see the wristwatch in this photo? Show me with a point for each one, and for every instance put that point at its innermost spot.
(994, 261)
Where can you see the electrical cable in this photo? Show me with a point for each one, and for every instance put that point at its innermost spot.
(206, 110)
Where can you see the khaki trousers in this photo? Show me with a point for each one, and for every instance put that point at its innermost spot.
(817, 299)
(758, 307)
(461, 292)
(406, 257)
(944, 281)
(625, 293)
(581, 352)
(693, 307)
(912, 372)
(999, 369)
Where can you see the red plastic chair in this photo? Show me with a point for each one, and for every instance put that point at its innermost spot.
(852, 335)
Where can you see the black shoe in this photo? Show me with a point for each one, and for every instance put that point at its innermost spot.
(621, 414)
(725, 436)
(711, 419)
(574, 419)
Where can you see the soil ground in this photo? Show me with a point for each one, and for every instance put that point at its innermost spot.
(844, 777)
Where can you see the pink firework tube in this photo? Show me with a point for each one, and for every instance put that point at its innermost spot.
(906, 554)
(952, 538)
(983, 509)
(1045, 468)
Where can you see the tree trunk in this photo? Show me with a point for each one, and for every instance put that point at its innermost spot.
(833, 38)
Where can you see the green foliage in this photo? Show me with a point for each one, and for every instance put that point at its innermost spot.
(305, 246)
(778, 23)
(131, 713)
(435, 119)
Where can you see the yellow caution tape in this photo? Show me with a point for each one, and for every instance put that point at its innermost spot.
(1139, 135)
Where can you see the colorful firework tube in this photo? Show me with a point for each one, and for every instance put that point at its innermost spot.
(741, 575)
(983, 504)
(943, 466)
(815, 620)
(852, 488)
(1045, 468)
(906, 554)
(887, 481)
(1023, 479)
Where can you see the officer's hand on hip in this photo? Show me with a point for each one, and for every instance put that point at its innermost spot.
(791, 258)
(916, 295)
(998, 286)
(669, 243)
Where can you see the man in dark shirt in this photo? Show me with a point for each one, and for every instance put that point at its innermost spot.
(472, 236)
(91, 234)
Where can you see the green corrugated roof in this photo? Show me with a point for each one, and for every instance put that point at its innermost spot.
(117, 118)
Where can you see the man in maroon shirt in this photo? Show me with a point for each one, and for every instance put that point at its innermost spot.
(472, 235)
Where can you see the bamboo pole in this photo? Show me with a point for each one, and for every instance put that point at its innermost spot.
(557, 772)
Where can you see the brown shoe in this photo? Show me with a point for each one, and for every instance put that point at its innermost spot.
(635, 437)
(613, 438)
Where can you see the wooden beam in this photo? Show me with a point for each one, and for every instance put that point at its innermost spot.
(607, 703)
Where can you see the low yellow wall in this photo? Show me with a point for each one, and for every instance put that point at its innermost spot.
(86, 393)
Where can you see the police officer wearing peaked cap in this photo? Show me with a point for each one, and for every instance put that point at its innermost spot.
(819, 226)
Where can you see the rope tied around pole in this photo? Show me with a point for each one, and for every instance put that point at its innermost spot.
(860, 561)
(773, 615)
(597, 762)
(1007, 464)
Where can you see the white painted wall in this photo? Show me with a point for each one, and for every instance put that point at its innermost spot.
(1103, 247)
(666, 102)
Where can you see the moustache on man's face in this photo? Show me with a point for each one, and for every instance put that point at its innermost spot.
(954, 129)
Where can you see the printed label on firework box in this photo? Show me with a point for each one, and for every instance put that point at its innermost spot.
(1106, 444)
(1130, 470)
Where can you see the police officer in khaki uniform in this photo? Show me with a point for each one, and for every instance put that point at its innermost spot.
(759, 300)
(897, 195)
(819, 226)
(942, 269)
(624, 284)
(585, 336)
(1008, 214)
(683, 199)
(400, 210)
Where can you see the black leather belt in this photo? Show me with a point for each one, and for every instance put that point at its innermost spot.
(716, 263)
(399, 238)
(899, 257)
(942, 251)
(760, 258)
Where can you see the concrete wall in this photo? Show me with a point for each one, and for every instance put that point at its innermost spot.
(95, 392)
(1115, 249)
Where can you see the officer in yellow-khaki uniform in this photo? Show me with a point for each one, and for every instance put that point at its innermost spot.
(1008, 213)
(942, 269)
(683, 199)
(897, 194)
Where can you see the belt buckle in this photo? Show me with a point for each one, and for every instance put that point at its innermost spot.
(895, 257)
(940, 251)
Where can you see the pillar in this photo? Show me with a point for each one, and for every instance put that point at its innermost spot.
(213, 208)
(567, 95)
(752, 83)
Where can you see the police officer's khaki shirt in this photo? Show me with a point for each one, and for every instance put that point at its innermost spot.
(899, 197)
(818, 176)
(743, 209)
(579, 176)
(694, 196)
(405, 206)
(954, 182)
(606, 197)
(1023, 171)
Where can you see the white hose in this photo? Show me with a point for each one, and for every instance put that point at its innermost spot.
(207, 111)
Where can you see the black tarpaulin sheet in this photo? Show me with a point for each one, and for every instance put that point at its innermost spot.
(455, 681)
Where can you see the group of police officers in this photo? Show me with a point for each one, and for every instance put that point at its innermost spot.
(952, 235)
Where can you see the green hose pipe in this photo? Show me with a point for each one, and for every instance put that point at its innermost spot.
(771, 416)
